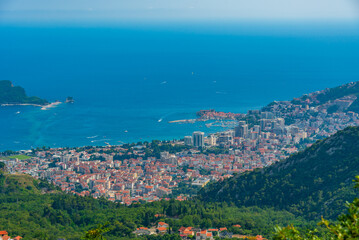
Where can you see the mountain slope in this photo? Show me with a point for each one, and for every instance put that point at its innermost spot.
(312, 183)
(346, 91)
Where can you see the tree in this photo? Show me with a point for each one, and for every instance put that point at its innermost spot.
(347, 227)
(97, 233)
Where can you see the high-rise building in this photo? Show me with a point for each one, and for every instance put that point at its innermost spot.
(225, 138)
(257, 128)
(253, 135)
(267, 115)
(212, 140)
(198, 139)
(188, 140)
(264, 123)
(241, 130)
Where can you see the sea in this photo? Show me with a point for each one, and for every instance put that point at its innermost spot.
(129, 80)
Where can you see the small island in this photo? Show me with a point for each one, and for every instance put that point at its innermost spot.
(16, 95)
(69, 100)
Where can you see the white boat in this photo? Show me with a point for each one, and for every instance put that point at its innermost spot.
(18, 112)
(160, 120)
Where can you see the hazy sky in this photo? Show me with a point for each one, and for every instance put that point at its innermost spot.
(333, 10)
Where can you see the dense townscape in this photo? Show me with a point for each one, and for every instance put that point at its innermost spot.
(153, 171)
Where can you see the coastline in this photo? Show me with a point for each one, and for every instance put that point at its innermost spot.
(21, 104)
(43, 107)
(51, 105)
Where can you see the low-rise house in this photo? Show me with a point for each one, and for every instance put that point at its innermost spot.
(162, 230)
(186, 232)
(142, 231)
(162, 224)
(4, 236)
(204, 235)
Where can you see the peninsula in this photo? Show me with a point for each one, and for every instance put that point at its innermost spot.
(16, 95)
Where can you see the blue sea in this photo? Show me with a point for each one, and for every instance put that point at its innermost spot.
(125, 78)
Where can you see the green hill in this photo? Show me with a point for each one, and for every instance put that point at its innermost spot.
(312, 183)
(10, 94)
(35, 209)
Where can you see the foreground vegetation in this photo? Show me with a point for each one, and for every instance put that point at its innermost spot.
(35, 209)
(347, 226)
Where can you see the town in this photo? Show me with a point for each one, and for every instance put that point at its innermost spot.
(156, 170)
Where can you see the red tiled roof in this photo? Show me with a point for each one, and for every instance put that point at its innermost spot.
(213, 230)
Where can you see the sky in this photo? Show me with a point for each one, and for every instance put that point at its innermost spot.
(114, 10)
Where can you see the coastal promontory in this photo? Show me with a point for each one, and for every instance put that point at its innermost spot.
(14, 95)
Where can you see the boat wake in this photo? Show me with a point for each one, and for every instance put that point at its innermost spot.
(93, 136)
(100, 140)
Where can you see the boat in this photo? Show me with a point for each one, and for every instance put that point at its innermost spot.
(160, 120)
(126, 131)
(18, 112)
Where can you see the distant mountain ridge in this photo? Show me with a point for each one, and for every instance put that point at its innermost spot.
(311, 183)
(10, 94)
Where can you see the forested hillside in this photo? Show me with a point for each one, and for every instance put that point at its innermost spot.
(10, 94)
(35, 209)
(312, 183)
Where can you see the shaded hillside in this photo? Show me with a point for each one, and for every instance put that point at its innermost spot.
(312, 183)
(10, 94)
